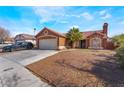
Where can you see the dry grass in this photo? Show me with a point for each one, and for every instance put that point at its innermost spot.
(80, 68)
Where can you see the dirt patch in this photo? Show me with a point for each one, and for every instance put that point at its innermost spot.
(77, 68)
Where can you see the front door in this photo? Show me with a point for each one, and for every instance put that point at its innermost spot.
(82, 43)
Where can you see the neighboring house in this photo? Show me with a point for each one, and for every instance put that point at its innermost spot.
(25, 37)
(98, 39)
(9, 40)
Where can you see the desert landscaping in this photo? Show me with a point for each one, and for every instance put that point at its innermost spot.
(80, 67)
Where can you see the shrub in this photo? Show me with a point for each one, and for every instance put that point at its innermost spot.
(118, 40)
(120, 56)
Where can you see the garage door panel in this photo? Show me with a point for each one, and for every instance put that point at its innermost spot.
(48, 44)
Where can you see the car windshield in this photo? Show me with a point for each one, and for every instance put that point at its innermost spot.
(18, 43)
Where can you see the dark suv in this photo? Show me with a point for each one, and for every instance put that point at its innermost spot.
(18, 46)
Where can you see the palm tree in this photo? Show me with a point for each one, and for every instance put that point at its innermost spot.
(73, 36)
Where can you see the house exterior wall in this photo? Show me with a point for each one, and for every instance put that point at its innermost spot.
(87, 43)
(62, 43)
(45, 34)
(102, 41)
(77, 44)
(19, 38)
(110, 45)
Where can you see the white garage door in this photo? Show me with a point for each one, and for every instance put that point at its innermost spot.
(48, 44)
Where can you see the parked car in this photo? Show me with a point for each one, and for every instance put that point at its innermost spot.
(18, 46)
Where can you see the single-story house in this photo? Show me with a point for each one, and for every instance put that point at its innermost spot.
(25, 37)
(50, 39)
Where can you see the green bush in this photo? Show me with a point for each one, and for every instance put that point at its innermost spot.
(118, 40)
(120, 56)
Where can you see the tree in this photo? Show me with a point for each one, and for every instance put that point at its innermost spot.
(119, 40)
(120, 56)
(74, 35)
(4, 34)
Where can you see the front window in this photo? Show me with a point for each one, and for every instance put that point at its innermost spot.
(95, 42)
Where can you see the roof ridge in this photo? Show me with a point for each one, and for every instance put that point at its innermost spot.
(91, 31)
(52, 31)
(25, 34)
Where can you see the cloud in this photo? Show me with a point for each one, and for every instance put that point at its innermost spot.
(15, 27)
(122, 22)
(75, 15)
(116, 32)
(106, 16)
(49, 13)
(64, 22)
(102, 12)
(87, 16)
(57, 14)
(75, 26)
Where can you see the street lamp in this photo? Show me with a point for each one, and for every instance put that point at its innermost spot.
(34, 31)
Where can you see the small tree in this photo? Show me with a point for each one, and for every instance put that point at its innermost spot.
(119, 40)
(74, 35)
(4, 34)
(120, 56)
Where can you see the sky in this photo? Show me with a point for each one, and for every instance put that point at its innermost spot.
(20, 19)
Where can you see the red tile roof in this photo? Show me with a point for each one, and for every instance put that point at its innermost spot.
(88, 33)
(85, 34)
(55, 32)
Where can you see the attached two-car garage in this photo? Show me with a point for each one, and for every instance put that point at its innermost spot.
(48, 39)
(48, 44)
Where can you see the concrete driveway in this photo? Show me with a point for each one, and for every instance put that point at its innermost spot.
(15, 75)
(26, 57)
(12, 70)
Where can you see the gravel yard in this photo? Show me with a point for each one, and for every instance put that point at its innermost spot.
(85, 68)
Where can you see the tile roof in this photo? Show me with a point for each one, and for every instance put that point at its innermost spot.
(84, 33)
(88, 33)
(55, 32)
(25, 36)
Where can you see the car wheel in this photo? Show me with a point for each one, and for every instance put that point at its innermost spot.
(11, 50)
(29, 47)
